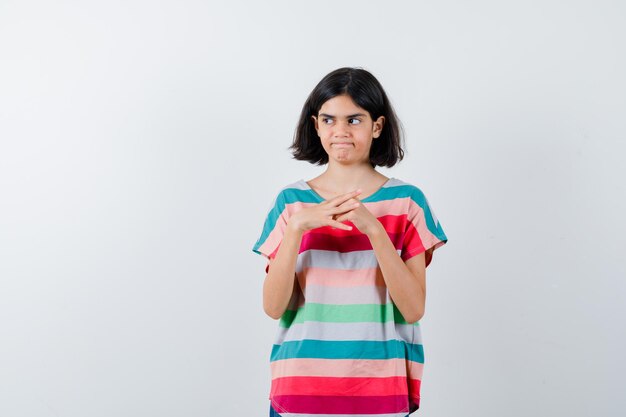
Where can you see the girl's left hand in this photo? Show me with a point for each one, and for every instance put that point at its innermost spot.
(361, 217)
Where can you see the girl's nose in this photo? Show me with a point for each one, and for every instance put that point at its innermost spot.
(341, 128)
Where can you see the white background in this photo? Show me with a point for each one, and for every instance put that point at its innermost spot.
(142, 142)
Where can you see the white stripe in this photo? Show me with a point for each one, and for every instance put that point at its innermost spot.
(349, 331)
(362, 259)
(370, 294)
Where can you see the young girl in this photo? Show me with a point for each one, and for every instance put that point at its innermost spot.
(347, 253)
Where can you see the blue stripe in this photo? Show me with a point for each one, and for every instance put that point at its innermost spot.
(286, 196)
(359, 349)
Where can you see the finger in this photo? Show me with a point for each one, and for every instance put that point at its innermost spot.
(349, 215)
(344, 197)
(351, 202)
(345, 207)
(340, 225)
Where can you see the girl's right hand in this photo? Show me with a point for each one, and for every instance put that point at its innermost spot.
(323, 214)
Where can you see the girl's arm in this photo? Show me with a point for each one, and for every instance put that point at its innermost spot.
(406, 282)
(281, 276)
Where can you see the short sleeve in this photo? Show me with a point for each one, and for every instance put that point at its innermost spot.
(273, 230)
(423, 232)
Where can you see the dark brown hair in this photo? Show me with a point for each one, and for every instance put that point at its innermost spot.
(367, 93)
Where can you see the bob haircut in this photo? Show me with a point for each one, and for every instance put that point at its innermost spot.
(367, 93)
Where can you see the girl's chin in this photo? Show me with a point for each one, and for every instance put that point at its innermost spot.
(347, 160)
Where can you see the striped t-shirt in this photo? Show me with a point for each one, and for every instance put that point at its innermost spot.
(342, 347)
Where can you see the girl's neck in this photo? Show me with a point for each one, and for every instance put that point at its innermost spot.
(346, 178)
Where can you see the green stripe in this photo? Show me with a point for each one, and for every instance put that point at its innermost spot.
(343, 313)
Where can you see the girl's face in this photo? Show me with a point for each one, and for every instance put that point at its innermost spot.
(346, 130)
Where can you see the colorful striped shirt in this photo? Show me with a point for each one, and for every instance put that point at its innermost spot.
(343, 348)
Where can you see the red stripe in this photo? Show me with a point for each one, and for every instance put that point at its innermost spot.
(414, 387)
(393, 223)
(318, 404)
(321, 240)
(342, 386)
(327, 238)
(412, 242)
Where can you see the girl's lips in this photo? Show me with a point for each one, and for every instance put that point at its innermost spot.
(342, 145)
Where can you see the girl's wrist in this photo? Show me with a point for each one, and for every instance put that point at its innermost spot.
(293, 227)
(377, 230)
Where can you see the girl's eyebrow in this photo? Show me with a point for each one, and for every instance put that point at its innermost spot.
(348, 116)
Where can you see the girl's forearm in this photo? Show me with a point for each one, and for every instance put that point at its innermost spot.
(404, 288)
(280, 280)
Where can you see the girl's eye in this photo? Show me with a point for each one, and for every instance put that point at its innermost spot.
(327, 121)
(354, 121)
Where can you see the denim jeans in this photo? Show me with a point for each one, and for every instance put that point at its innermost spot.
(273, 412)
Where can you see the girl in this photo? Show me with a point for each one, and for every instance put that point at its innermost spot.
(347, 253)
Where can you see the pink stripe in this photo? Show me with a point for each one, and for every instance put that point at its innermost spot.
(416, 216)
(342, 277)
(346, 367)
(272, 242)
(395, 207)
(405, 206)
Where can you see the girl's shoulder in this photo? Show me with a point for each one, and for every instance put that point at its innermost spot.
(296, 187)
(399, 186)
(290, 192)
(300, 191)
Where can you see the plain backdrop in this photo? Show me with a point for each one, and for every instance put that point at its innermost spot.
(142, 143)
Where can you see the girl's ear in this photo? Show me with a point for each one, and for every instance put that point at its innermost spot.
(315, 124)
(378, 126)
